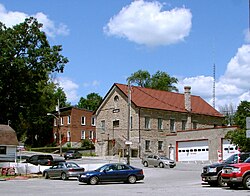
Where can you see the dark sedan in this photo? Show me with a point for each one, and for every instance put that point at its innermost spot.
(63, 170)
(112, 172)
(72, 154)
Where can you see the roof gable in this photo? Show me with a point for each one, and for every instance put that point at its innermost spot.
(164, 100)
(7, 135)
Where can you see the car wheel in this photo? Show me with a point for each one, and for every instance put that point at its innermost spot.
(132, 179)
(145, 164)
(46, 175)
(246, 182)
(161, 165)
(220, 182)
(64, 176)
(93, 180)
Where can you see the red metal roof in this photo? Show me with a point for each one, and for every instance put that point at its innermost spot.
(164, 100)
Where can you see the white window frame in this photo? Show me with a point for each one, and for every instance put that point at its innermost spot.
(93, 120)
(83, 135)
(103, 125)
(160, 147)
(172, 126)
(83, 123)
(69, 119)
(68, 136)
(61, 119)
(160, 124)
(147, 122)
(91, 135)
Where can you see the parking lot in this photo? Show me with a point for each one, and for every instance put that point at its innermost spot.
(184, 179)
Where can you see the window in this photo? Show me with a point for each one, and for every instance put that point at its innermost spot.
(147, 144)
(116, 99)
(131, 124)
(172, 125)
(103, 125)
(83, 120)
(55, 122)
(91, 134)
(61, 120)
(195, 125)
(160, 125)
(83, 135)
(147, 123)
(160, 145)
(68, 136)
(116, 123)
(93, 121)
(69, 119)
(183, 124)
(2, 149)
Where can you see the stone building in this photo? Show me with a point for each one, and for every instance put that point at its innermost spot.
(182, 126)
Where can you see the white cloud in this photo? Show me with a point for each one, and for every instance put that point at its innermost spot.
(10, 18)
(233, 87)
(145, 23)
(70, 88)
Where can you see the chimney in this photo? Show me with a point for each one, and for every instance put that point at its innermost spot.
(187, 97)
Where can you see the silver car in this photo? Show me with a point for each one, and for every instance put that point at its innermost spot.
(63, 170)
(158, 161)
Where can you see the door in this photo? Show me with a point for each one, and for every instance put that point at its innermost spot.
(193, 151)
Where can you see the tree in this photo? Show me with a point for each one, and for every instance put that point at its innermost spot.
(228, 110)
(91, 103)
(238, 137)
(27, 62)
(141, 78)
(160, 80)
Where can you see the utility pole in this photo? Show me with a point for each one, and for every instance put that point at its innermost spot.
(129, 123)
(59, 126)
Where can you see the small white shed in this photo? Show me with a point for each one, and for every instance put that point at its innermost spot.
(8, 143)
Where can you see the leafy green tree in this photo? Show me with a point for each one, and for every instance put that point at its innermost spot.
(160, 80)
(92, 102)
(60, 94)
(238, 137)
(27, 62)
(141, 78)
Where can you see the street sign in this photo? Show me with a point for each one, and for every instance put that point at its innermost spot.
(247, 133)
(248, 122)
(128, 143)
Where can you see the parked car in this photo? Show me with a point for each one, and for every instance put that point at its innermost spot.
(112, 172)
(237, 175)
(63, 170)
(212, 173)
(72, 154)
(43, 159)
(161, 161)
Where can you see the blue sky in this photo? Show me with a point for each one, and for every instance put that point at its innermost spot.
(108, 40)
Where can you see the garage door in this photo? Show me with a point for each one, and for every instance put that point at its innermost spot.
(228, 149)
(193, 151)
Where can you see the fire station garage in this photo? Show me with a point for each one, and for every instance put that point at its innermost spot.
(193, 151)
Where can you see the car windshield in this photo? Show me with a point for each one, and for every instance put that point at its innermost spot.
(232, 159)
(164, 158)
(247, 160)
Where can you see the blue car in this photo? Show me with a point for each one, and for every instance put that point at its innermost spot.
(112, 172)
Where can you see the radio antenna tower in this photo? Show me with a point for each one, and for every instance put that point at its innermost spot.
(213, 56)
